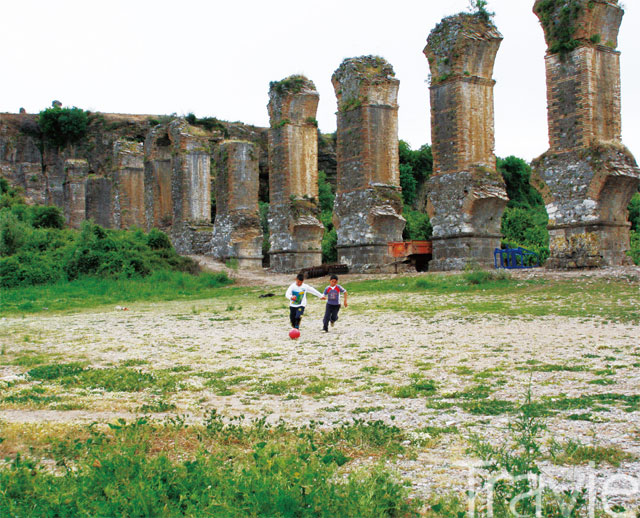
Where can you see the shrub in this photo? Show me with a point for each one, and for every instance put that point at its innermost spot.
(264, 223)
(634, 251)
(634, 212)
(526, 227)
(47, 217)
(418, 225)
(62, 126)
(415, 168)
(13, 233)
(517, 173)
(330, 237)
(158, 240)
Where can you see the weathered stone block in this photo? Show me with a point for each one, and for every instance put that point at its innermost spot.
(129, 181)
(157, 178)
(368, 203)
(99, 200)
(237, 233)
(294, 229)
(76, 172)
(587, 177)
(466, 195)
(190, 188)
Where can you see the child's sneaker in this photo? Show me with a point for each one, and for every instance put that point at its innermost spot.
(332, 323)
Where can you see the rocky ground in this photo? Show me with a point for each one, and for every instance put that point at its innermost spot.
(234, 355)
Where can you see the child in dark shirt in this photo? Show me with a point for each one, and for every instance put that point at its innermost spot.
(332, 292)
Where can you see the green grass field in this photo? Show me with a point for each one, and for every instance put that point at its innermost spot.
(195, 403)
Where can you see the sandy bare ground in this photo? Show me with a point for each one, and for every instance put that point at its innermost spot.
(351, 372)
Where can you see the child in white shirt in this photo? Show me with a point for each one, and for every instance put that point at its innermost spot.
(297, 297)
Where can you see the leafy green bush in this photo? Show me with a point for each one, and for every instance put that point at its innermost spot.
(233, 472)
(634, 251)
(46, 217)
(158, 240)
(34, 249)
(13, 233)
(264, 223)
(524, 221)
(418, 225)
(517, 173)
(415, 168)
(634, 212)
(526, 227)
(330, 237)
(62, 126)
(8, 195)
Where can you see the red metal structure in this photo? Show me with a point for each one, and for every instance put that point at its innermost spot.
(418, 253)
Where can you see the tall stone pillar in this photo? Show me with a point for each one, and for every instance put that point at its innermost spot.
(129, 207)
(190, 189)
(99, 200)
(237, 233)
(158, 199)
(368, 203)
(76, 171)
(466, 194)
(587, 177)
(294, 229)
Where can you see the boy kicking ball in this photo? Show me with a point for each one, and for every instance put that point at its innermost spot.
(332, 293)
(297, 297)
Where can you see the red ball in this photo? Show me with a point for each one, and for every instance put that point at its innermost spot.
(294, 333)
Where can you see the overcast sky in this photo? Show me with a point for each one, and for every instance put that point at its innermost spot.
(216, 58)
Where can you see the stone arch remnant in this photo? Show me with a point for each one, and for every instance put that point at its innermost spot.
(587, 177)
(466, 194)
(368, 203)
(294, 229)
(237, 233)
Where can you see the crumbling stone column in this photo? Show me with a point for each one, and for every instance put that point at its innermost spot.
(368, 203)
(587, 177)
(99, 200)
(157, 178)
(237, 233)
(190, 189)
(129, 180)
(76, 171)
(466, 194)
(294, 229)
(54, 173)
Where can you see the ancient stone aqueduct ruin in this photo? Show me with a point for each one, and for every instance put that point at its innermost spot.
(132, 171)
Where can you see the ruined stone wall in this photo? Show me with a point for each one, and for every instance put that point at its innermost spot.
(466, 194)
(368, 203)
(128, 170)
(587, 177)
(295, 231)
(237, 233)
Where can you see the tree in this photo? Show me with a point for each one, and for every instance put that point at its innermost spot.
(62, 126)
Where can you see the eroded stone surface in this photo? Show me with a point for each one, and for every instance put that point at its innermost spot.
(587, 177)
(294, 227)
(466, 194)
(368, 204)
(236, 231)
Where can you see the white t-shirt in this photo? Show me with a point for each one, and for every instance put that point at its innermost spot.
(301, 294)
